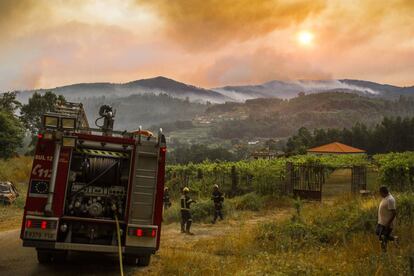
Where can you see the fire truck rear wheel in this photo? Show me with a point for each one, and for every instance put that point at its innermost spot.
(44, 256)
(137, 260)
(130, 259)
(144, 260)
(59, 256)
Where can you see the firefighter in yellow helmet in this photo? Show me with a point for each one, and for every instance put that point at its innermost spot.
(186, 219)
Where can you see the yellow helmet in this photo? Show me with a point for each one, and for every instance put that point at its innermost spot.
(186, 190)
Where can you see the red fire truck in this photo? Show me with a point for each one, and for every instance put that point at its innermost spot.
(87, 182)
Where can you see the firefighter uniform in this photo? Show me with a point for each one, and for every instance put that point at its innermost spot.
(218, 200)
(166, 198)
(186, 219)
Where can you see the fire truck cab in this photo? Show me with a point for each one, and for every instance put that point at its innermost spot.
(87, 182)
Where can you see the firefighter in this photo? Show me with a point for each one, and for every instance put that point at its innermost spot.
(186, 218)
(166, 198)
(218, 199)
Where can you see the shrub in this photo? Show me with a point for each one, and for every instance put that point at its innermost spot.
(203, 210)
(330, 224)
(405, 207)
(172, 214)
(247, 202)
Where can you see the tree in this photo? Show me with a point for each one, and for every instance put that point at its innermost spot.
(31, 113)
(299, 143)
(38, 104)
(391, 135)
(197, 153)
(11, 129)
(9, 103)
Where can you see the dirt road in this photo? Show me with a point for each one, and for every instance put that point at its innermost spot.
(18, 260)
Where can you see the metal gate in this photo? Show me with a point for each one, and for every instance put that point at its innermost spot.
(359, 179)
(306, 181)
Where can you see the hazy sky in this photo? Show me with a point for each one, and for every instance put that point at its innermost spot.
(206, 43)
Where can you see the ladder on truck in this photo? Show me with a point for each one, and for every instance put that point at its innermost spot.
(144, 189)
(74, 110)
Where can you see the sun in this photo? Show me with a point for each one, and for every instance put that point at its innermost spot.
(305, 38)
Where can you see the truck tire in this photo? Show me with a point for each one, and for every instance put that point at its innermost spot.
(144, 260)
(130, 259)
(44, 256)
(59, 256)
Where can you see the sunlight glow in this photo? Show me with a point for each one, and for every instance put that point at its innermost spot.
(305, 38)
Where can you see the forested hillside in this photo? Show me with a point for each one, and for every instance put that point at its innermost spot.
(157, 85)
(391, 135)
(145, 110)
(281, 118)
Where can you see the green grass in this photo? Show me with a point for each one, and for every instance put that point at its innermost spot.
(339, 182)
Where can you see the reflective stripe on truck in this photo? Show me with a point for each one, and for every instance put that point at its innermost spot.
(141, 235)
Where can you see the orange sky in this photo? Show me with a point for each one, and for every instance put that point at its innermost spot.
(207, 43)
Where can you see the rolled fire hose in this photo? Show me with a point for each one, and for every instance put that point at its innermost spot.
(118, 234)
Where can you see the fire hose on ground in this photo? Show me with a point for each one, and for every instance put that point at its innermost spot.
(118, 234)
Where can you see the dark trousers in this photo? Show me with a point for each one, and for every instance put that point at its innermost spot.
(186, 220)
(384, 233)
(218, 213)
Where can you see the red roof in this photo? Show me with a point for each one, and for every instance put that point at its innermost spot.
(335, 147)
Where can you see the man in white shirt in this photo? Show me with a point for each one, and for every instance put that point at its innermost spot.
(386, 217)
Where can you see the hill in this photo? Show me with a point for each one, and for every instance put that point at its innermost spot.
(145, 110)
(271, 89)
(291, 89)
(280, 118)
(158, 85)
(266, 113)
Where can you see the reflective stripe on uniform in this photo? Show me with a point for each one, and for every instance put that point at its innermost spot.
(184, 203)
(102, 153)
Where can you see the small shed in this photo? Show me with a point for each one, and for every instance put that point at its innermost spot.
(335, 148)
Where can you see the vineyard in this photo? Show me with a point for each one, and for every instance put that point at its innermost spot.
(396, 170)
(267, 177)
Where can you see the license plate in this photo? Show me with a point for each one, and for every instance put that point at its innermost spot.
(40, 235)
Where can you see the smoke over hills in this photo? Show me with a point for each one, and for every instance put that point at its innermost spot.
(271, 89)
(291, 89)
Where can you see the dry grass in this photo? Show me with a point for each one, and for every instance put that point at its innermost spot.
(17, 171)
(242, 251)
